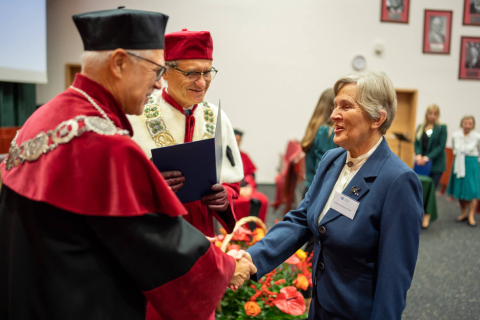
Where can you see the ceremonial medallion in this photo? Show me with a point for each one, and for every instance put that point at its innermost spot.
(100, 126)
(31, 150)
(34, 148)
(164, 139)
(65, 131)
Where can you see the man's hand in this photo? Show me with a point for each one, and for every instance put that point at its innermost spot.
(217, 201)
(243, 270)
(174, 179)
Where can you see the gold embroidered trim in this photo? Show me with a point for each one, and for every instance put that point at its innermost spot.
(31, 150)
(164, 139)
(156, 125)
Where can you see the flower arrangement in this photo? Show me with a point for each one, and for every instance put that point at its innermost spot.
(276, 295)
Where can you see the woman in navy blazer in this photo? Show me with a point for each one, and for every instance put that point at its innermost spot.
(362, 267)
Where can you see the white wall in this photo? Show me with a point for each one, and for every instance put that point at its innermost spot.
(276, 56)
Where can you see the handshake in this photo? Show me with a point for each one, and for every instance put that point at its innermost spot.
(243, 270)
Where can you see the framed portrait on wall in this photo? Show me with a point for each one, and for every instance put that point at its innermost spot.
(471, 13)
(469, 58)
(394, 11)
(437, 31)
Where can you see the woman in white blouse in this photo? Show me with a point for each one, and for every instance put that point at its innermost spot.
(364, 208)
(465, 178)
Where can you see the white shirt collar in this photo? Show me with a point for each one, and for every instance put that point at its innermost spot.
(359, 161)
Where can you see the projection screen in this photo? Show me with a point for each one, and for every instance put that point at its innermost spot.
(23, 41)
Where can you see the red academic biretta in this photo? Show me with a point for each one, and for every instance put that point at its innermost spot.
(186, 44)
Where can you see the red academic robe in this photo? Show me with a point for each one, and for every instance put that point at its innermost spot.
(198, 214)
(90, 229)
(242, 204)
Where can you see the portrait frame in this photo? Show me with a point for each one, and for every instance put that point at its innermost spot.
(469, 68)
(396, 11)
(437, 31)
(471, 13)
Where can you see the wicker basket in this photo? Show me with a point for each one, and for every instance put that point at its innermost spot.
(240, 223)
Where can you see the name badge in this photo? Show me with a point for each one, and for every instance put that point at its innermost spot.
(345, 205)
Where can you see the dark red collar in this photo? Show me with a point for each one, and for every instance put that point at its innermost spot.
(174, 103)
(104, 99)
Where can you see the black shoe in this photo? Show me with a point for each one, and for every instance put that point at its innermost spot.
(461, 220)
(471, 225)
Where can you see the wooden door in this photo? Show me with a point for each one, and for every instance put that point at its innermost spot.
(404, 123)
(70, 71)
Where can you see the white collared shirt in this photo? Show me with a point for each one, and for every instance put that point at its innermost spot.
(347, 175)
(464, 145)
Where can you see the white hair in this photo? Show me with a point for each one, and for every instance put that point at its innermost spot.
(375, 92)
(96, 59)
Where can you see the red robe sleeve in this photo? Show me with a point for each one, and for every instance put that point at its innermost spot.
(179, 271)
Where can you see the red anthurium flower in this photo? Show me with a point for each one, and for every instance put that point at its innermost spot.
(293, 260)
(242, 234)
(290, 301)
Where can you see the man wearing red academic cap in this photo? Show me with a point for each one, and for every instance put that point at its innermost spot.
(89, 229)
(185, 116)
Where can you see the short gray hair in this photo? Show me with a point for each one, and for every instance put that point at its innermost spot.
(171, 64)
(468, 116)
(96, 59)
(375, 92)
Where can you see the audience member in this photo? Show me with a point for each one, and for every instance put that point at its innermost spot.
(251, 202)
(465, 178)
(430, 143)
(318, 137)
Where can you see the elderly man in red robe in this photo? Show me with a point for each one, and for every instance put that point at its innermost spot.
(89, 229)
(185, 116)
(251, 202)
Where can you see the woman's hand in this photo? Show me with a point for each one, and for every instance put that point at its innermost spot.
(419, 160)
(425, 160)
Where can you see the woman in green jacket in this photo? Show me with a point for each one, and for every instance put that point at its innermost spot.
(318, 137)
(430, 142)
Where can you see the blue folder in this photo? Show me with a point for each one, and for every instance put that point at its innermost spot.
(423, 170)
(200, 162)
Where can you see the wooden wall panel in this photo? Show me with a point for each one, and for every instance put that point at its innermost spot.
(404, 123)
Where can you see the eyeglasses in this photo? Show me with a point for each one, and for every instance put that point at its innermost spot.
(160, 71)
(194, 76)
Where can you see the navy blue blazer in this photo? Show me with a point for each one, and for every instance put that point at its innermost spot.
(362, 268)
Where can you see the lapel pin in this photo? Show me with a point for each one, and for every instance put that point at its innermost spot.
(355, 190)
